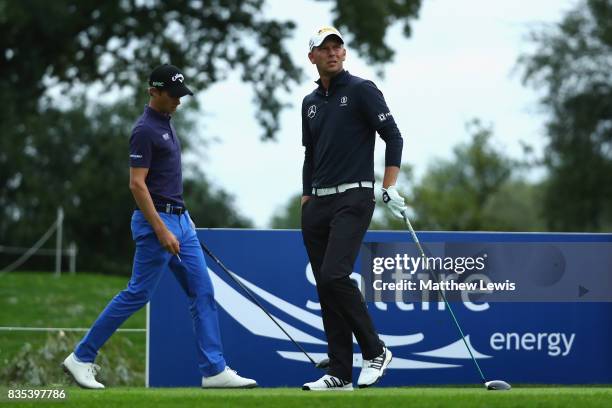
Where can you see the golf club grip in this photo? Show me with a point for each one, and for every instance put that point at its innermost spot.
(254, 299)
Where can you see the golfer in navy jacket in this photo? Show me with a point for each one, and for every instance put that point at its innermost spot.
(165, 238)
(340, 119)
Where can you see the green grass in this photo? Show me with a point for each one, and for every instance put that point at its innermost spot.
(41, 300)
(383, 397)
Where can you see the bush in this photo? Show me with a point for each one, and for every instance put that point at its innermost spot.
(42, 367)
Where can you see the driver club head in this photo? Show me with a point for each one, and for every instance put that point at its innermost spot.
(323, 364)
(497, 385)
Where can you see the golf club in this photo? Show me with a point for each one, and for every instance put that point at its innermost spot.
(323, 364)
(493, 385)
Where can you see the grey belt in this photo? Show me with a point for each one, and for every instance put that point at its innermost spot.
(341, 188)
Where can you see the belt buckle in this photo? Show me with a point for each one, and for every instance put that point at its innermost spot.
(168, 208)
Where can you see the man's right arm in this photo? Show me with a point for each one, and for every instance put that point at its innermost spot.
(143, 199)
(308, 166)
(307, 175)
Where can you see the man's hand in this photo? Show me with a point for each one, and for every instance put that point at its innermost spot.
(141, 194)
(395, 202)
(304, 199)
(168, 241)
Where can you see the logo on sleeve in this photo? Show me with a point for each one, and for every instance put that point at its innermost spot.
(136, 156)
(383, 116)
(312, 111)
(344, 101)
(166, 136)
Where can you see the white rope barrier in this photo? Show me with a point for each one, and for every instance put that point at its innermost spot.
(23, 258)
(27, 253)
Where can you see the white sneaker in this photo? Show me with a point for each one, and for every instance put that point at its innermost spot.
(84, 374)
(228, 378)
(372, 370)
(328, 383)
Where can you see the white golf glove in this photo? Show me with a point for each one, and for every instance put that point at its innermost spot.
(395, 202)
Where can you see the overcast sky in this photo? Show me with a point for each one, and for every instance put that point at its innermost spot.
(459, 64)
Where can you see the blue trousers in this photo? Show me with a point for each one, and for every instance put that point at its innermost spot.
(151, 260)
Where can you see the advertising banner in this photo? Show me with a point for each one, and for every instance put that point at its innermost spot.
(562, 337)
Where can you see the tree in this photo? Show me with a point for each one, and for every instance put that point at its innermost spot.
(369, 33)
(290, 216)
(212, 206)
(457, 192)
(73, 152)
(572, 64)
(81, 165)
(117, 43)
(67, 42)
(475, 190)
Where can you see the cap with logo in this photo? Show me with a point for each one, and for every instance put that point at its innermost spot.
(321, 35)
(169, 78)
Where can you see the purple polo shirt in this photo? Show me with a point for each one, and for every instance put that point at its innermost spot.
(154, 144)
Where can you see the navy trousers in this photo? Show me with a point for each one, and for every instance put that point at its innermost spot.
(333, 227)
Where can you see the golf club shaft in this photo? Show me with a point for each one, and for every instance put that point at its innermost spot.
(433, 273)
(254, 299)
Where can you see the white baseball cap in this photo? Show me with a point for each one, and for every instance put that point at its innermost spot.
(321, 35)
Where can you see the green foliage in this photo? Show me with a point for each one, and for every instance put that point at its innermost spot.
(78, 161)
(211, 207)
(517, 206)
(454, 194)
(475, 190)
(572, 65)
(368, 34)
(290, 216)
(118, 43)
(40, 367)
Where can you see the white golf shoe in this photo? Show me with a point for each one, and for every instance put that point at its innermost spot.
(328, 383)
(84, 374)
(372, 370)
(228, 378)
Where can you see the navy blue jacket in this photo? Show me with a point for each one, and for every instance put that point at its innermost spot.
(338, 132)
